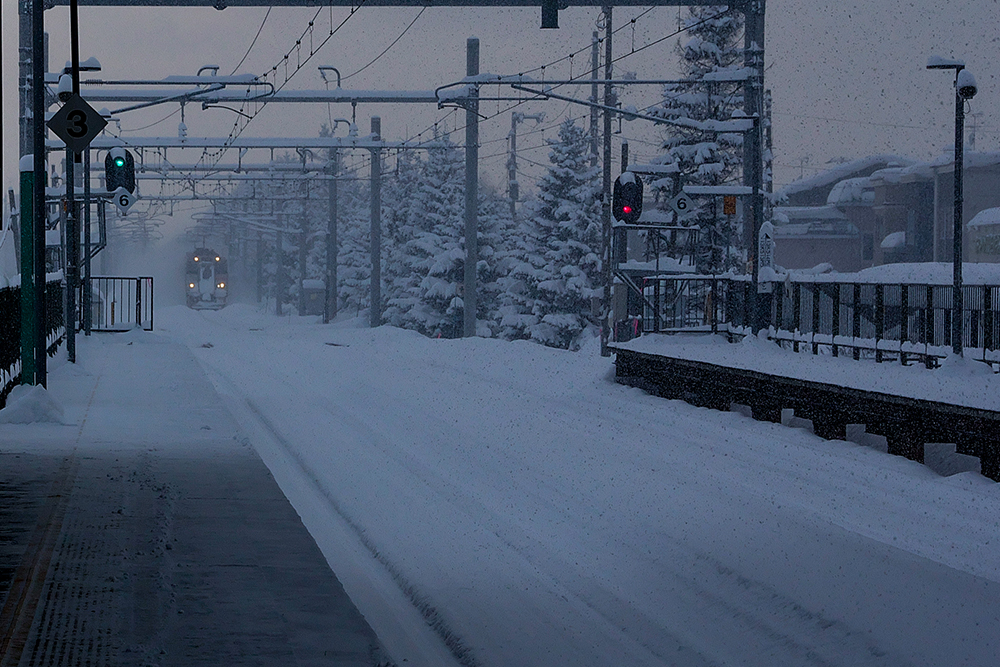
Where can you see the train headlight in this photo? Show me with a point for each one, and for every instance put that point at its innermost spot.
(197, 258)
(217, 259)
(221, 285)
(191, 285)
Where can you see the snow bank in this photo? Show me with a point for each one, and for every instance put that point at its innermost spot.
(29, 404)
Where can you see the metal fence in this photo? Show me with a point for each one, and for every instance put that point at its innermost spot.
(899, 322)
(10, 331)
(118, 303)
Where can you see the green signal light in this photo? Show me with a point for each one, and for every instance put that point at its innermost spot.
(119, 162)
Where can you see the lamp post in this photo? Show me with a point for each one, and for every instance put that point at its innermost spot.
(965, 89)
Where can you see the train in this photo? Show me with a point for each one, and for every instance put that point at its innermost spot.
(206, 279)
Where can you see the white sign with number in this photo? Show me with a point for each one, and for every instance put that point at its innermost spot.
(681, 204)
(123, 199)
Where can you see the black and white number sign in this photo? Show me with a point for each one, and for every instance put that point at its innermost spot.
(681, 203)
(123, 200)
(76, 123)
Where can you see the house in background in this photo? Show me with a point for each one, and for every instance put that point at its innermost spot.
(899, 211)
(981, 186)
(902, 214)
(830, 217)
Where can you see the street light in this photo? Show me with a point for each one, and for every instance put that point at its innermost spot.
(965, 89)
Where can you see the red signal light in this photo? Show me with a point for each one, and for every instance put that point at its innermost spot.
(626, 209)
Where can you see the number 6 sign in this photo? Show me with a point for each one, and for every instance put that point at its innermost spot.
(123, 200)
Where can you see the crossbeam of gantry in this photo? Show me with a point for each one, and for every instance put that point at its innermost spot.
(223, 4)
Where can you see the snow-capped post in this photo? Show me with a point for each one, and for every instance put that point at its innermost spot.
(38, 131)
(330, 310)
(375, 313)
(279, 272)
(28, 277)
(606, 189)
(471, 190)
(550, 14)
(753, 171)
(965, 89)
(765, 254)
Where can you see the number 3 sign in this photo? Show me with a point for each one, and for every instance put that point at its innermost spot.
(76, 123)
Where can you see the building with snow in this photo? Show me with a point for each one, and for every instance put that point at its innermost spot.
(885, 210)
(828, 218)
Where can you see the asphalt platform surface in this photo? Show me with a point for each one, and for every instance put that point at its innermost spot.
(143, 530)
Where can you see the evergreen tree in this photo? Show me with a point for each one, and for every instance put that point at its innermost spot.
(431, 251)
(400, 214)
(495, 230)
(715, 44)
(549, 292)
(354, 249)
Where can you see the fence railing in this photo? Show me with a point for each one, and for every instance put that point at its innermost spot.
(118, 303)
(10, 331)
(898, 322)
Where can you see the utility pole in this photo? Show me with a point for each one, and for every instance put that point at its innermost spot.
(303, 246)
(595, 66)
(330, 310)
(471, 191)
(375, 313)
(86, 295)
(29, 281)
(606, 199)
(38, 205)
(513, 188)
(279, 273)
(753, 58)
(72, 231)
(24, 9)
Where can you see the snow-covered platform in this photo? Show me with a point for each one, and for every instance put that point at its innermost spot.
(140, 530)
(909, 406)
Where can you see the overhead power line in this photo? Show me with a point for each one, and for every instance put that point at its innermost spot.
(419, 14)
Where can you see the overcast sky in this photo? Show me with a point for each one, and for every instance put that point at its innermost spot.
(848, 77)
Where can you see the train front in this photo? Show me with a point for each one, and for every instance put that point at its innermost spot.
(207, 280)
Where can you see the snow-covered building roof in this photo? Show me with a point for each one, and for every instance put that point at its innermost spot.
(894, 241)
(793, 214)
(972, 159)
(817, 229)
(852, 192)
(853, 169)
(986, 218)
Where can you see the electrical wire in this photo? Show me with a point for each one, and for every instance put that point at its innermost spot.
(419, 14)
(235, 69)
(146, 127)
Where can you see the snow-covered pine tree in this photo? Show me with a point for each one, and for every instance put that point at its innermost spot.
(431, 301)
(353, 257)
(399, 213)
(495, 231)
(714, 43)
(552, 289)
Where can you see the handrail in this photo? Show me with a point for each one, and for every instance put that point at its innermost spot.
(886, 321)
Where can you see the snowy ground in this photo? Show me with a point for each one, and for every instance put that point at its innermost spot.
(536, 513)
